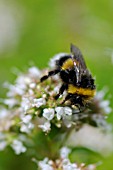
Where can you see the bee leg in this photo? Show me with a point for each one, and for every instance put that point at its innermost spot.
(77, 101)
(79, 107)
(62, 88)
(69, 96)
(50, 73)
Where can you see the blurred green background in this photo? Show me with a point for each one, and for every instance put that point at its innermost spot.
(31, 32)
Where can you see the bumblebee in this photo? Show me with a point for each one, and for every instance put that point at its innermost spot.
(76, 78)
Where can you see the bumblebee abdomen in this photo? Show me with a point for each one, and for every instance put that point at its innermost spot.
(81, 91)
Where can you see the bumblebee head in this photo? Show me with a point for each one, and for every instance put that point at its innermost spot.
(65, 63)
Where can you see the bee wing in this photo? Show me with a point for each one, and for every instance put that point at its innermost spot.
(78, 57)
(80, 63)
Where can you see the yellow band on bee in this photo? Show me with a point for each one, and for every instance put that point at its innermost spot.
(67, 64)
(81, 91)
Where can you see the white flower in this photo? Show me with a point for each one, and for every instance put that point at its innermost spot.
(100, 95)
(3, 145)
(34, 72)
(26, 118)
(64, 164)
(48, 113)
(10, 102)
(56, 89)
(60, 112)
(15, 90)
(22, 81)
(67, 165)
(38, 102)
(63, 112)
(25, 104)
(46, 127)
(44, 165)
(52, 62)
(32, 85)
(105, 106)
(64, 152)
(18, 147)
(67, 122)
(102, 122)
(27, 127)
(3, 113)
(6, 119)
(68, 111)
(92, 167)
(30, 92)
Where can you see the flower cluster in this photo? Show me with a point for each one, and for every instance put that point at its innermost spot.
(30, 106)
(63, 163)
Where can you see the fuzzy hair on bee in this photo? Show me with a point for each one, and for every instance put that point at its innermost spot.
(76, 78)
